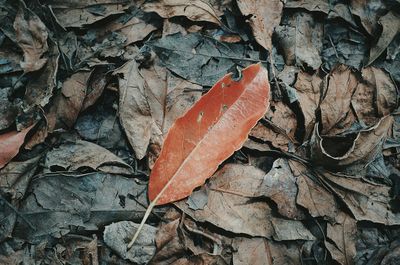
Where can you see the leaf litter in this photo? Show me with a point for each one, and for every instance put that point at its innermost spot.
(91, 92)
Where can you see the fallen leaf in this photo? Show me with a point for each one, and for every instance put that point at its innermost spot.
(158, 99)
(82, 154)
(280, 186)
(231, 208)
(335, 105)
(39, 89)
(366, 201)
(116, 234)
(242, 104)
(308, 90)
(338, 152)
(8, 110)
(343, 234)
(31, 36)
(10, 143)
(300, 38)
(312, 196)
(374, 97)
(195, 10)
(263, 21)
(391, 26)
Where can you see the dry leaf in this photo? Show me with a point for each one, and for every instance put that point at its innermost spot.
(368, 11)
(10, 143)
(31, 35)
(195, 10)
(264, 17)
(335, 105)
(343, 151)
(193, 145)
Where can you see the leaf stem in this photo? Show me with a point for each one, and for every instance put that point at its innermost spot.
(145, 217)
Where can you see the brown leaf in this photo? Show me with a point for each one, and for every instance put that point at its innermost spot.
(68, 104)
(10, 143)
(280, 126)
(39, 89)
(344, 235)
(280, 185)
(157, 98)
(31, 36)
(348, 150)
(365, 200)
(391, 26)
(196, 136)
(374, 97)
(300, 38)
(81, 154)
(308, 88)
(229, 206)
(311, 195)
(195, 10)
(335, 105)
(8, 110)
(264, 17)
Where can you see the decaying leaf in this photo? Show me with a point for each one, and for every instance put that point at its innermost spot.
(368, 12)
(263, 21)
(196, 10)
(10, 143)
(31, 35)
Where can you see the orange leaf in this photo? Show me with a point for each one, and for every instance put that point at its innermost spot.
(215, 127)
(199, 141)
(10, 143)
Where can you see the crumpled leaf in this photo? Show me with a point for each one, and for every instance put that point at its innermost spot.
(80, 154)
(200, 59)
(391, 26)
(10, 143)
(300, 38)
(195, 10)
(263, 21)
(116, 234)
(231, 208)
(335, 105)
(31, 35)
(344, 151)
(242, 104)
